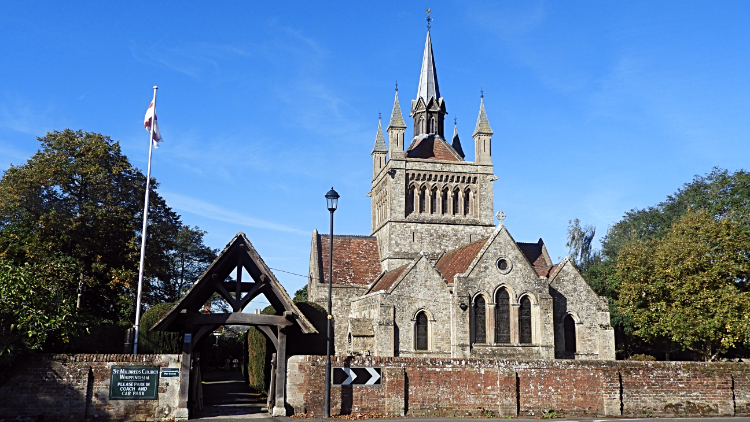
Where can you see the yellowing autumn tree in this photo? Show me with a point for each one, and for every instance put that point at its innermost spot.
(691, 285)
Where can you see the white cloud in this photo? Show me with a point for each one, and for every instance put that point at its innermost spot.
(205, 209)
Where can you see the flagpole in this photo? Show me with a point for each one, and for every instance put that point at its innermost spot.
(143, 231)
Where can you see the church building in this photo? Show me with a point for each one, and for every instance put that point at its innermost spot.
(437, 277)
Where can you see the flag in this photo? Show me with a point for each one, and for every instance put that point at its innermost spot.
(147, 124)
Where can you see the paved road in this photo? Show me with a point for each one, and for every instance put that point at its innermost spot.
(268, 418)
(226, 397)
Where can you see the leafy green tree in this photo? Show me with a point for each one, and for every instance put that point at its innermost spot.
(158, 341)
(691, 285)
(37, 304)
(719, 193)
(301, 295)
(80, 198)
(187, 258)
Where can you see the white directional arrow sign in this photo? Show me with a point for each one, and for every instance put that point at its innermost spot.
(357, 376)
(350, 376)
(375, 377)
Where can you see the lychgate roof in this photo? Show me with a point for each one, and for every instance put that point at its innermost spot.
(238, 293)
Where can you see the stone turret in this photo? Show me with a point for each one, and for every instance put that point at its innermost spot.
(396, 129)
(482, 137)
(379, 152)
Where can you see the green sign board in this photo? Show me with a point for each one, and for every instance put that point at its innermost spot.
(170, 372)
(134, 383)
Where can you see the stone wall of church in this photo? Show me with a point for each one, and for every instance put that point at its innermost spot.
(518, 280)
(595, 338)
(421, 290)
(340, 309)
(484, 387)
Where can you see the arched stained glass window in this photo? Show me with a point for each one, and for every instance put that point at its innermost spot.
(502, 317)
(433, 201)
(444, 205)
(569, 326)
(480, 320)
(524, 321)
(456, 200)
(422, 331)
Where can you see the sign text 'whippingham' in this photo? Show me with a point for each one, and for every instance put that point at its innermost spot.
(134, 383)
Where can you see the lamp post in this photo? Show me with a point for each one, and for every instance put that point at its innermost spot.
(332, 199)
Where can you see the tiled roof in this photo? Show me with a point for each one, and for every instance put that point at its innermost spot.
(388, 279)
(545, 271)
(533, 252)
(355, 259)
(431, 147)
(458, 260)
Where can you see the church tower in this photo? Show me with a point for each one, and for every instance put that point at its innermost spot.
(427, 198)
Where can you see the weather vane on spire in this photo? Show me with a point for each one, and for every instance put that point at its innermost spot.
(396, 86)
(455, 121)
(481, 92)
(428, 19)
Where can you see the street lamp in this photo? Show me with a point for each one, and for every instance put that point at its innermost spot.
(332, 199)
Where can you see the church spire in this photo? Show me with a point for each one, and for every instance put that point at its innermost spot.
(379, 139)
(428, 83)
(456, 143)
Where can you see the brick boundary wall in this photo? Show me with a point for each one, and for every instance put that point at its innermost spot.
(479, 387)
(76, 388)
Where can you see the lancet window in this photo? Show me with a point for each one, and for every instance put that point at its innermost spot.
(422, 199)
(433, 201)
(569, 327)
(502, 316)
(524, 321)
(444, 202)
(410, 200)
(422, 331)
(467, 202)
(480, 320)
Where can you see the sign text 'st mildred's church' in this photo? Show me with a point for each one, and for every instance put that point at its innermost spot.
(436, 277)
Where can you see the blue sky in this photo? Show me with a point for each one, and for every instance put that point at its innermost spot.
(597, 107)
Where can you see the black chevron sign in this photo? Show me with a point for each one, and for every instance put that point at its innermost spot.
(356, 376)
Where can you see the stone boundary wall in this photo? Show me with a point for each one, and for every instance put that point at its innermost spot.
(76, 388)
(479, 387)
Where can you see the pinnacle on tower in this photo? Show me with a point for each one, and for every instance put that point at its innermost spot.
(456, 143)
(428, 83)
(379, 140)
(397, 118)
(483, 125)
